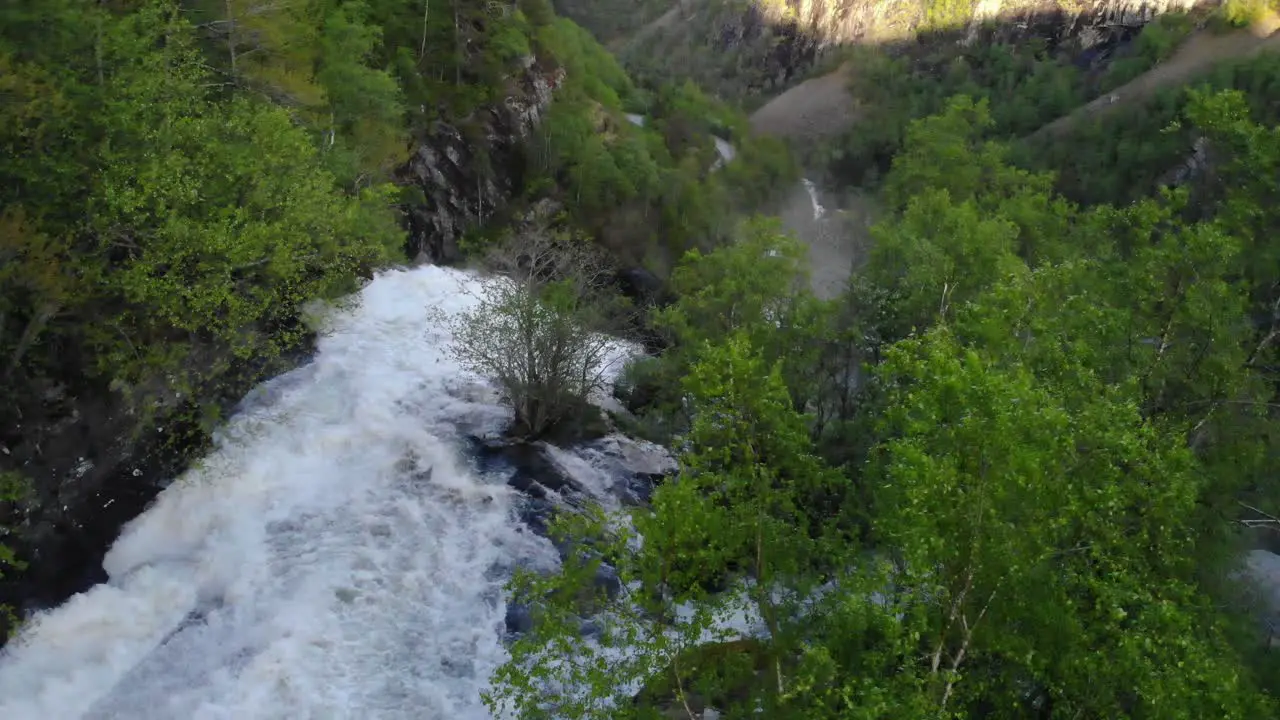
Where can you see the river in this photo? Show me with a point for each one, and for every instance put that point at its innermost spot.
(338, 555)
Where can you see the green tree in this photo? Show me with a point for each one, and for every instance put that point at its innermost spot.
(758, 287)
(742, 507)
(365, 107)
(1044, 536)
(270, 47)
(940, 254)
(205, 221)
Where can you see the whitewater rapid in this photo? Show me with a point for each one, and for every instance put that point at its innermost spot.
(336, 556)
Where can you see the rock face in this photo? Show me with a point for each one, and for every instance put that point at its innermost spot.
(764, 45)
(466, 174)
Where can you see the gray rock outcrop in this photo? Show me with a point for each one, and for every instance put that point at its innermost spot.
(466, 174)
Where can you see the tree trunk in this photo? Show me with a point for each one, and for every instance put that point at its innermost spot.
(231, 36)
(422, 49)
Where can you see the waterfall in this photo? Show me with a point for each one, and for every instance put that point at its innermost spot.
(724, 148)
(335, 556)
(812, 190)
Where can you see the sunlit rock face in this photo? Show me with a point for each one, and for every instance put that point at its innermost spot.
(752, 47)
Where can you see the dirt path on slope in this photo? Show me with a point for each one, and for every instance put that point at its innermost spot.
(1197, 55)
(816, 108)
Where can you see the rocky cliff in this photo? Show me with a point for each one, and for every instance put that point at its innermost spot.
(467, 171)
(751, 47)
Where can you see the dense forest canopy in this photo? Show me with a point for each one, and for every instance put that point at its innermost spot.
(1002, 475)
(1027, 511)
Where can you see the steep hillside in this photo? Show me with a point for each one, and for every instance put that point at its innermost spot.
(613, 20)
(742, 48)
(1198, 54)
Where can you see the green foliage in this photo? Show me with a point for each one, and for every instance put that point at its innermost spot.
(163, 219)
(688, 47)
(364, 104)
(747, 476)
(658, 188)
(539, 335)
(1243, 13)
(587, 64)
(1044, 556)
(1064, 406)
(1027, 87)
(1045, 415)
(611, 20)
(1123, 156)
(943, 15)
(14, 488)
(756, 287)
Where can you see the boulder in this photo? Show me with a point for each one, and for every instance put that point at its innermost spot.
(643, 287)
(518, 620)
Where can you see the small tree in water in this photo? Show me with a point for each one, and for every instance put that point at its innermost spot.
(536, 330)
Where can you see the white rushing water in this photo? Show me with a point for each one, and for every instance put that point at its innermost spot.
(724, 148)
(335, 557)
(812, 189)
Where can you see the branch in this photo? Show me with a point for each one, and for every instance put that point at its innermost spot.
(964, 647)
(1267, 520)
(675, 670)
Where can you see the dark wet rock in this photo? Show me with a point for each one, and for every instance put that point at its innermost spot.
(590, 628)
(536, 514)
(519, 619)
(624, 468)
(642, 286)
(537, 473)
(606, 579)
(527, 485)
(639, 490)
(463, 176)
(636, 467)
(457, 666)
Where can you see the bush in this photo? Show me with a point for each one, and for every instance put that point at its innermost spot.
(535, 330)
(1243, 13)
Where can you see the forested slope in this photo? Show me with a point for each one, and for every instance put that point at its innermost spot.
(180, 179)
(1014, 471)
(1034, 503)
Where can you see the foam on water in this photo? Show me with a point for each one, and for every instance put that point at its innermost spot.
(724, 149)
(333, 558)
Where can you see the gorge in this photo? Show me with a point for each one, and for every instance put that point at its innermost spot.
(951, 371)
